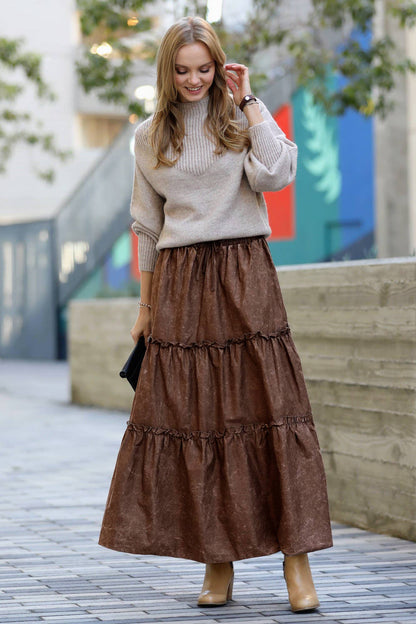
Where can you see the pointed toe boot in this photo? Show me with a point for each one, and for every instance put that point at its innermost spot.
(218, 585)
(300, 587)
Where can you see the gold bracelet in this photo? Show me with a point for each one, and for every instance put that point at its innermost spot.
(145, 305)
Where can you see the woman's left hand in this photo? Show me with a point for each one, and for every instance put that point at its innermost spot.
(238, 80)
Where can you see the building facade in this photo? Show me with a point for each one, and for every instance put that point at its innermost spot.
(354, 194)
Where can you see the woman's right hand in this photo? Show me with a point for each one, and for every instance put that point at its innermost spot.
(142, 325)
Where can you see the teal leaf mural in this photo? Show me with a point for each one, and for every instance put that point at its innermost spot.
(322, 143)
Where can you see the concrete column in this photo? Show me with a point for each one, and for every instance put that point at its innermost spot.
(411, 172)
(395, 153)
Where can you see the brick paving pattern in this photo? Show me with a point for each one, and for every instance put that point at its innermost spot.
(56, 463)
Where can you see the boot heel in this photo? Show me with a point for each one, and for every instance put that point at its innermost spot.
(230, 588)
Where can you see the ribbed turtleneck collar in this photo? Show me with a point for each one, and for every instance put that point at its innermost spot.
(196, 109)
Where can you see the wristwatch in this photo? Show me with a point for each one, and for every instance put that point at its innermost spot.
(247, 98)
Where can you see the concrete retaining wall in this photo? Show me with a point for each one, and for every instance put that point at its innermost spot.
(99, 343)
(354, 325)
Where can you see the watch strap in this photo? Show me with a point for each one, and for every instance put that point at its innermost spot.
(247, 98)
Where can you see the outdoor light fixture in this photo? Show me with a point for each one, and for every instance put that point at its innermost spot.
(132, 21)
(146, 93)
(102, 49)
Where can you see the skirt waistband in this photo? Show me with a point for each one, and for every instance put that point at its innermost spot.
(227, 241)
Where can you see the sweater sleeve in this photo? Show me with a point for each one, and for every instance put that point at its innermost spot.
(146, 208)
(271, 161)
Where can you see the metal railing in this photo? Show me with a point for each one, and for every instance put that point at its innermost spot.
(28, 323)
(42, 263)
(94, 216)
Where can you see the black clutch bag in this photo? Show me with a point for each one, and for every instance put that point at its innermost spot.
(131, 368)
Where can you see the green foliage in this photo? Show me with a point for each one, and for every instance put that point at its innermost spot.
(12, 57)
(335, 13)
(259, 33)
(405, 12)
(369, 74)
(107, 21)
(17, 127)
(112, 15)
(196, 7)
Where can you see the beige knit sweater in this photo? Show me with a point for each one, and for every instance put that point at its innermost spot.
(205, 196)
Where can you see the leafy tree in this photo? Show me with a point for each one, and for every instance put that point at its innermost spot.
(106, 19)
(110, 48)
(369, 72)
(20, 127)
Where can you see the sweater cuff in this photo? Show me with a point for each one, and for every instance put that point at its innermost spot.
(264, 144)
(147, 252)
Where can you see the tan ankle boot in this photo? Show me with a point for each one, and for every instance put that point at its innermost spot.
(300, 587)
(218, 584)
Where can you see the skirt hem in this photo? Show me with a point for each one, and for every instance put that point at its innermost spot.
(221, 558)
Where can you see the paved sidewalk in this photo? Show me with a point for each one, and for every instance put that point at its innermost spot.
(56, 461)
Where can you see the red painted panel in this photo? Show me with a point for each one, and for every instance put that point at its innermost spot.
(281, 205)
(134, 266)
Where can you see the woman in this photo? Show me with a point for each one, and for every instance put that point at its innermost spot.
(220, 460)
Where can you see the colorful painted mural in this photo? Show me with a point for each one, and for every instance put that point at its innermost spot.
(331, 203)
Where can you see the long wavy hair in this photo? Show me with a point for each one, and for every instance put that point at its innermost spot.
(168, 127)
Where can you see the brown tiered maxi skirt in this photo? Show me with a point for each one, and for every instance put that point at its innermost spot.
(220, 460)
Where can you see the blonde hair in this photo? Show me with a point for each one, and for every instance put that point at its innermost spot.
(167, 127)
